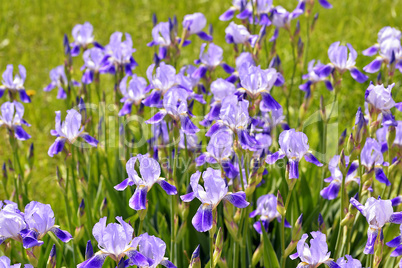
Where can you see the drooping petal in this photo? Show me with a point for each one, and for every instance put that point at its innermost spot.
(272, 158)
(138, 259)
(373, 66)
(331, 263)
(325, 4)
(331, 191)
(62, 235)
(358, 76)
(187, 197)
(188, 126)
(357, 205)
(139, 199)
(94, 262)
(381, 177)
(237, 199)
(153, 100)
(397, 252)
(24, 97)
(21, 134)
(204, 36)
(394, 242)
(167, 187)
(90, 140)
(270, 102)
(126, 109)
(293, 169)
(396, 218)
(202, 220)
(371, 237)
(167, 264)
(309, 157)
(158, 117)
(56, 147)
(247, 142)
(124, 184)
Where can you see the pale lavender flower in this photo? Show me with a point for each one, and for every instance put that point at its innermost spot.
(59, 80)
(69, 131)
(11, 221)
(377, 212)
(211, 56)
(39, 219)
(133, 94)
(92, 64)
(237, 34)
(214, 190)
(314, 255)
(15, 84)
(335, 180)
(115, 240)
(161, 35)
(281, 18)
(349, 262)
(293, 145)
(380, 99)
(150, 174)
(83, 37)
(11, 118)
(266, 209)
(236, 6)
(152, 248)
(194, 23)
(315, 75)
(6, 263)
(372, 158)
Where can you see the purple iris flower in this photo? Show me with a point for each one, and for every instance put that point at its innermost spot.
(237, 34)
(11, 222)
(59, 80)
(380, 99)
(161, 35)
(39, 219)
(293, 145)
(335, 180)
(133, 94)
(161, 81)
(6, 263)
(119, 54)
(11, 118)
(220, 89)
(272, 118)
(150, 174)
(115, 240)
(15, 84)
(211, 56)
(338, 55)
(194, 23)
(349, 262)
(314, 255)
(83, 37)
(214, 190)
(377, 212)
(220, 150)
(281, 18)
(69, 131)
(175, 105)
(153, 248)
(236, 6)
(314, 76)
(234, 115)
(389, 48)
(372, 158)
(92, 64)
(190, 140)
(323, 3)
(256, 81)
(397, 244)
(266, 209)
(244, 58)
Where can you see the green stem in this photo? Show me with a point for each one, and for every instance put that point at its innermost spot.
(283, 261)
(291, 82)
(211, 249)
(241, 171)
(338, 240)
(140, 227)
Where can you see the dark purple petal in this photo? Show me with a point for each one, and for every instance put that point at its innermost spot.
(280, 80)
(1, 92)
(247, 142)
(153, 100)
(293, 169)
(371, 237)
(309, 157)
(75, 50)
(373, 66)
(272, 158)
(87, 77)
(357, 204)
(188, 126)
(167, 187)
(328, 84)
(139, 199)
(331, 263)
(237, 199)
(21, 134)
(397, 252)
(204, 36)
(381, 177)
(270, 102)
(394, 242)
(358, 76)
(396, 218)
(331, 191)
(199, 73)
(62, 235)
(158, 117)
(94, 262)
(228, 69)
(257, 226)
(199, 161)
(187, 197)
(167, 264)
(24, 97)
(90, 140)
(202, 220)
(232, 79)
(325, 4)
(162, 53)
(227, 15)
(56, 147)
(371, 51)
(294, 256)
(399, 106)
(305, 86)
(126, 109)
(123, 185)
(396, 201)
(264, 20)
(353, 167)
(138, 259)
(61, 94)
(89, 250)
(275, 35)
(230, 170)
(214, 128)
(244, 14)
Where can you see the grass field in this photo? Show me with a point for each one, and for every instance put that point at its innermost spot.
(31, 34)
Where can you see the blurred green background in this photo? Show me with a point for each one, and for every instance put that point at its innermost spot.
(31, 34)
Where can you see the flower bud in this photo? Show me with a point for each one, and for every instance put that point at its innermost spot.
(297, 228)
(321, 224)
(322, 109)
(195, 259)
(51, 262)
(280, 205)
(256, 256)
(391, 134)
(218, 246)
(89, 250)
(79, 233)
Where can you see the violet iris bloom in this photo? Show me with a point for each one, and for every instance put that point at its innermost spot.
(377, 212)
(335, 180)
(323, 3)
(150, 174)
(372, 158)
(214, 190)
(133, 94)
(175, 105)
(220, 88)
(15, 84)
(266, 208)
(115, 240)
(211, 56)
(262, 10)
(11, 222)
(234, 115)
(220, 150)
(69, 131)
(314, 255)
(281, 18)
(153, 248)
(119, 54)
(39, 219)
(59, 80)
(6, 263)
(92, 64)
(161, 81)
(340, 61)
(83, 37)
(349, 262)
(188, 142)
(256, 82)
(236, 6)
(293, 145)
(314, 76)
(194, 23)
(237, 34)
(11, 118)
(246, 59)
(397, 244)
(389, 49)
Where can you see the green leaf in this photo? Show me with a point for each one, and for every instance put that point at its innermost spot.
(270, 259)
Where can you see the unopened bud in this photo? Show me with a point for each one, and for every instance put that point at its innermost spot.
(195, 259)
(79, 233)
(279, 204)
(256, 256)
(218, 246)
(51, 262)
(89, 250)
(322, 109)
